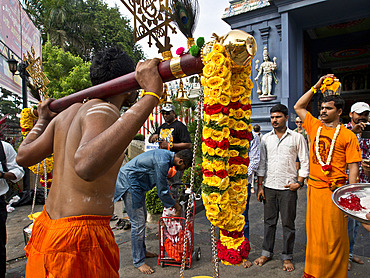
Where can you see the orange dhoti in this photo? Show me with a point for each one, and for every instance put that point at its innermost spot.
(78, 246)
(327, 247)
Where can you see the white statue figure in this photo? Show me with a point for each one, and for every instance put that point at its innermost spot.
(267, 68)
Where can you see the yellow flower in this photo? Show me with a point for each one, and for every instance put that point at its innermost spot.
(232, 169)
(207, 59)
(231, 122)
(235, 141)
(214, 197)
(224, 198)
(215, 93)
(218, 48)
(237, 90)
(216, 117)
(250, 128)
(218, 165)
(218, 59)
(227, 64)
(248, 114)
(241, 197)
(233, 153)
(224, 184)
(204, 149)
(248, 70)
(224, 121)
(240, 125)
(227, 92)
(249, 84)
(222, 71)
(206, 118)
(248, 93)
(225, 132)
(207, 132)
(244, 143)
(220, 152)
(210, 101)
(217, 135)
(244, 100)
(209, 70)
(206, 201)
(213, 210)
(238, 114)
(235, 98)
(203, 81)
(215, 82)
(236, 187)
(224, 100)
(226, 84)
(211, 151)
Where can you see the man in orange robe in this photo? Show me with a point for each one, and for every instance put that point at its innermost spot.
(72, 237)
(327, 247)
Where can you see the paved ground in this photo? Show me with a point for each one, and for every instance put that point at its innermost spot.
(18, 219)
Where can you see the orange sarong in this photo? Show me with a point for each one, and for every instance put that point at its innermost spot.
(327, 247)
(78, 246)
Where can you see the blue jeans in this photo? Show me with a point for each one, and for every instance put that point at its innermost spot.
(245, 213)
(353, 226)
(138, 220)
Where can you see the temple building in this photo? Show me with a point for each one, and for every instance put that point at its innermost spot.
(300, 40)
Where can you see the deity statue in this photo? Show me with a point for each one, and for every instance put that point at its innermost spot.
(267, 69)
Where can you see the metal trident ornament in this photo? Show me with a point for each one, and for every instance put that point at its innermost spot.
(34, 69)
(151, 20)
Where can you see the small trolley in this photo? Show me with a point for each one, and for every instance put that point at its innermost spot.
(172, 233)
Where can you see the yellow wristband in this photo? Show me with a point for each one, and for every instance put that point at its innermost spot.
(151, 94)
(314, 90)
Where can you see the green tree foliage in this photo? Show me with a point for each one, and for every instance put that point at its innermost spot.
(83, 27)
(67, 73)
(10, 107)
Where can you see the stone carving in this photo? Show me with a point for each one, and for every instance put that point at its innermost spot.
(267, 69)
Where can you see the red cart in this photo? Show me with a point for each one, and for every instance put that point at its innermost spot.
(172, 234)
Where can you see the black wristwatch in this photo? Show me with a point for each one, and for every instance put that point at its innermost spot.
(1, 174)
(301, 184)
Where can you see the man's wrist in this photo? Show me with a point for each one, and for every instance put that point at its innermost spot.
(301, 183)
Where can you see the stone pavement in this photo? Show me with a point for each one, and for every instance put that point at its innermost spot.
(17, 220)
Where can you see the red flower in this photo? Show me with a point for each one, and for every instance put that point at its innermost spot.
(207, 173)
(234, 234)
(214, 109)
(236, 160)
(223, 144)
(326, 168)
(221, 250)
(226, 110)
(245, 248)
(221, 174)
(180, 51)
(246, 107)
(233, 256)
(234, 105)
(210, 143)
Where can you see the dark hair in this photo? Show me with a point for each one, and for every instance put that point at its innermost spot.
(257, 128)
(187, 156)
(279, 108)
(339, 102)
(110, 63)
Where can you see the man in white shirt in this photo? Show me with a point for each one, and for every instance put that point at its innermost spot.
(277, 168)
(9, 170)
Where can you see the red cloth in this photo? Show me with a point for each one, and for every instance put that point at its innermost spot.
(79, 246)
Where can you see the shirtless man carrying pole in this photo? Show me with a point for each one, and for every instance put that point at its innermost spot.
(72, 236)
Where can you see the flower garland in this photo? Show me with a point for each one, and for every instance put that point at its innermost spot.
(226, 136)
(330, 84)
(326, 167)
(27, 122)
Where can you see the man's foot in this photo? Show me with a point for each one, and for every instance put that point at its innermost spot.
(349, 265)
(150, 255)
(145, 269)
(247, 264)
(252, 190)
(261, 260)
(357, 260)
(288, 265)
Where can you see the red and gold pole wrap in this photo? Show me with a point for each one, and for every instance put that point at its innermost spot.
(172, 69)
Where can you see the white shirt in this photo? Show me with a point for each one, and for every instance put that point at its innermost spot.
(12, 165)
(278, 159)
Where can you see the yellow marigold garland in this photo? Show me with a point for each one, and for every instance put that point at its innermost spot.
(226, 136)
(27, 122)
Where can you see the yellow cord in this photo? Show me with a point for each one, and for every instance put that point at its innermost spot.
(314, 90)
(151, 94)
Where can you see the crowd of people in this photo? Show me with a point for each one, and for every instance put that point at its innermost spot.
(88, 141)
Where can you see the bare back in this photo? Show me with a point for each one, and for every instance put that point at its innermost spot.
(71, 195)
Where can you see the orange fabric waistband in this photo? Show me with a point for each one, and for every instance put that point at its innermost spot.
(73, 221)
(332, 184)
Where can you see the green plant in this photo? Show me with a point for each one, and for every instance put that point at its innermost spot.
(153, 203)
(198, 177)
(139, 137)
